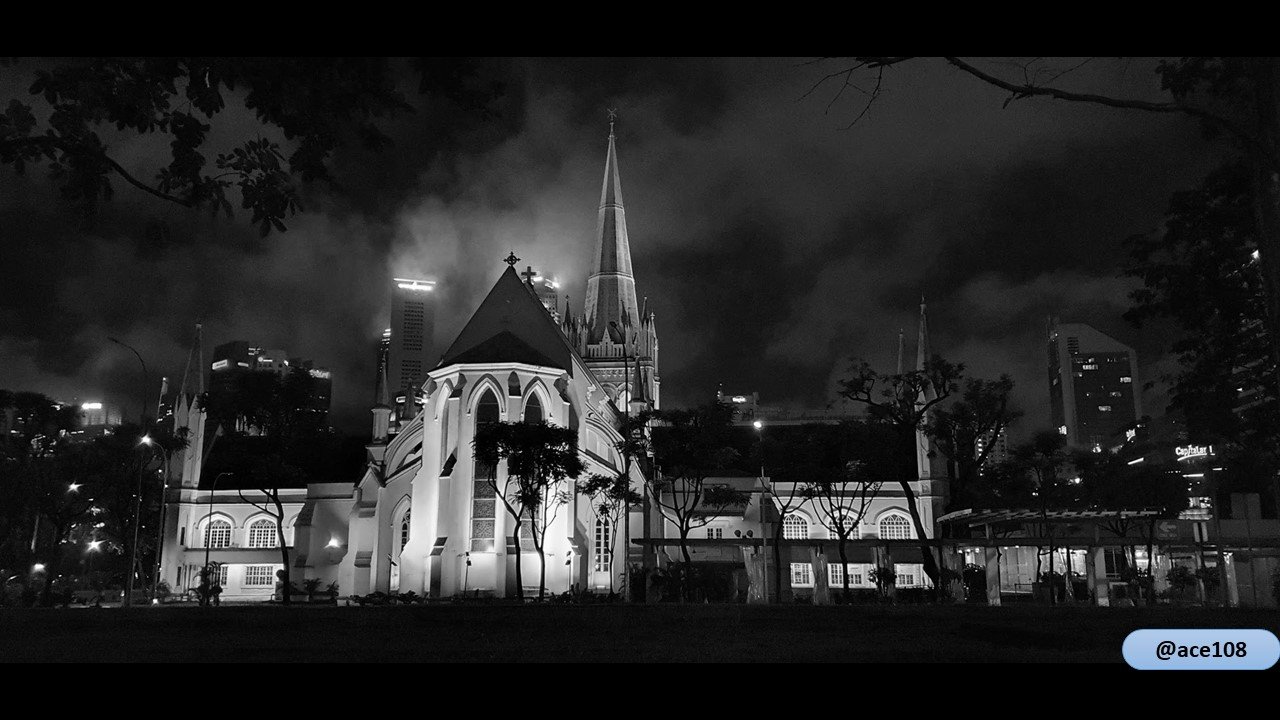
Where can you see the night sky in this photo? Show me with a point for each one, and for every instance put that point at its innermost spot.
(772, 240)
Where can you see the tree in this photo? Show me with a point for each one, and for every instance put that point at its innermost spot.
(270, 474)
(316, 104)
(1044, 461)
(967, 430)
(902, 402)
(1200, 273)
(540, 458)
(792, 460)
(690, 447)
(611, 497)
(1233, 97)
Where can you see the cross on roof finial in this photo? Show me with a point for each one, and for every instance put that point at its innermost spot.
(511, 259)
(528, 274)
(613, 117)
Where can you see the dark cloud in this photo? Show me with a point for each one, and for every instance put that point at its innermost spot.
(773, 240)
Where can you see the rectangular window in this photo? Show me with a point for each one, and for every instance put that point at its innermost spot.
(835, 578)
(604, 546)
(259, 576)
(715, 533)
(1126, 379)
(801, 575)
(1104, 408)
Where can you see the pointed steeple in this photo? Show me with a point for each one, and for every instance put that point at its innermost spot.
(381, 397)
(922, 342)
(611, 288)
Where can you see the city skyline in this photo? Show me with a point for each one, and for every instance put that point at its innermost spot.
(788, 217)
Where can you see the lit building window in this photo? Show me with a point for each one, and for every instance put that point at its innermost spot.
(262, 534)
(604, 546)
(217, 534)
(259, 575)
(1126, 379)
(836, 576)
(1104, 408)
(795, 527)
(895, 527)
(801, 576)
(1091, 366)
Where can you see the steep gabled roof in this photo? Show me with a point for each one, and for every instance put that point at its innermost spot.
(511, 325)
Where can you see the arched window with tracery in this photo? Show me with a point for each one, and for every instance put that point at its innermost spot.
(217, 533)
(895, 527)
(262, 534)
(795, 527)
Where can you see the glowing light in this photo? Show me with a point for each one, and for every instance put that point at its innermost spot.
(1195, 475)
(1255, 255)
(417, 285)
(1135, 462)
(1130, 434)
(95, 545)
(321, 374)
(333, 543)
(739, 398)
(221, 364)
(1190, 452)
(1062, 429)
(146, 440)
(73, 487)
(38, 567)
(91, 406)
(757, 424)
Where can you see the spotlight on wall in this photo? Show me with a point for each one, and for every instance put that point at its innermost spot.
(333, 543)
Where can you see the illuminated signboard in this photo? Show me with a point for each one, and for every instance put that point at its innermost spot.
(739, 398)
(411, 284)
(1130, 434)
(322, 374)
(220, 364)
(1190, 452)
(91, 406)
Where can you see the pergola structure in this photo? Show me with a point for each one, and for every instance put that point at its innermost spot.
(1080, 529)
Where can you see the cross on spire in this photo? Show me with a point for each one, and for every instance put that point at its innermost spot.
(613, 117)
(528, 274)
(511, 259)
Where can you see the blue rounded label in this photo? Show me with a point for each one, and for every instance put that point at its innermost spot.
(1202, 649)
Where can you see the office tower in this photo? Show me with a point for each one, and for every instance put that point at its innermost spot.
(1093, 385)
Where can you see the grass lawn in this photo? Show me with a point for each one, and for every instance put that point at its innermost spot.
(594, 633)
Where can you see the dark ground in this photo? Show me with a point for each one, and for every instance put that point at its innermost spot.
(732, 633)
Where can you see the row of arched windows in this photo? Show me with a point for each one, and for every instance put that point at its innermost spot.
(892, 526)
(260, 533)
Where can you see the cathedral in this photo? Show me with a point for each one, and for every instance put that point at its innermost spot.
(422, 517)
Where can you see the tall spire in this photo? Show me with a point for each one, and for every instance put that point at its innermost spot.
(611, 288)
(922, 343)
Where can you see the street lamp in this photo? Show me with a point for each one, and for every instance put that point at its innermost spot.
(164, 485)
(764, 497)
(207, 536)
(143, 415)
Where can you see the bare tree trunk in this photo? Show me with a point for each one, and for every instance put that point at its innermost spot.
(777, 560)
(926, 551)
(844, 566)
(287, 589)
(515, 539)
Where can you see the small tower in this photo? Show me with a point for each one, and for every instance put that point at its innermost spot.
(381, 408)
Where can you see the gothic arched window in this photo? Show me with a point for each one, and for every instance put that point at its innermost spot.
(795, 528)
(262, 534)
(404, 530)
(533, 409)
(895, 527)
(217, 534)
(483, 498)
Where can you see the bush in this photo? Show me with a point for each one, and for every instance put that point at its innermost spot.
(1180, 578)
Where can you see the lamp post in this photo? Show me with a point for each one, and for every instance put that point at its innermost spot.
(204, 597)
(164, 486)
(143, 414)
(764, 497)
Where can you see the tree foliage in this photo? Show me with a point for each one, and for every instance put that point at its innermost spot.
(79, 109)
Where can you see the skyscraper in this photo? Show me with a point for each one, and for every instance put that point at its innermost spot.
(1093, 384)
(409, 355)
